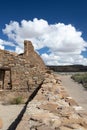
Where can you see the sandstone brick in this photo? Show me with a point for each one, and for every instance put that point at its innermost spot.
(43, 127)
(71, 101)
(64, 128)
(49, 106)
(63, 94)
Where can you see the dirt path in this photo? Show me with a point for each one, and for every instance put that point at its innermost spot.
(75, 90)
(8, 114)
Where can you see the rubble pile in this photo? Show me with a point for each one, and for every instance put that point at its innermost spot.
(53, 109)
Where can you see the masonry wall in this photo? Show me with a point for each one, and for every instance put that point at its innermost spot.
(24, 70)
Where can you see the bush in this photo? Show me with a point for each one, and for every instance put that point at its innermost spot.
(77, 78)
(17, 100)
(80, 78)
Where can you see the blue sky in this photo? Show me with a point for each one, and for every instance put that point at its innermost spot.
(57, 28)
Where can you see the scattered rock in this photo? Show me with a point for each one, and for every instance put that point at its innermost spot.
(71, 101)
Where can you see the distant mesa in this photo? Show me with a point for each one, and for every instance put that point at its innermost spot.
(69, 68)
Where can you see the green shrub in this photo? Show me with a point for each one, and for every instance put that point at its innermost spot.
(85, 85)
(17, 100)
(80, 78)
(77, 78)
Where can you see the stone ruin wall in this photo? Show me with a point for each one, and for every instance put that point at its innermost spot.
(22, 70)
(52, 108)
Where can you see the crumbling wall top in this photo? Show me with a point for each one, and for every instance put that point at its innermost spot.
(28, 47)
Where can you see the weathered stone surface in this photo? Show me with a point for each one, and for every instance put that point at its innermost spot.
(51, 112)
(64, 128)
(64, 94)
(44, 128)
(71, 101)
(49, 106)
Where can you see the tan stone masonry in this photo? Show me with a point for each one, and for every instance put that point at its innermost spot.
(16, 71)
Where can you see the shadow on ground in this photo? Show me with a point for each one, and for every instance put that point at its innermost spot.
(14, 124)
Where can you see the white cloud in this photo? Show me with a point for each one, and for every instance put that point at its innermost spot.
(1, 47)
(64, 59)
(4, 43)
(18, 50)
(65, 43)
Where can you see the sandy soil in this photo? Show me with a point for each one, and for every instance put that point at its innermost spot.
(8, 114)
(75, 90)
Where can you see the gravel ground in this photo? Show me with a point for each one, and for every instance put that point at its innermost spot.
(8, 114)
(75, 90)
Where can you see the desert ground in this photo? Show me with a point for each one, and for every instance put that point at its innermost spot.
(75, 90)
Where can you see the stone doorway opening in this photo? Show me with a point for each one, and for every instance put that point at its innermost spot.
(5, 79)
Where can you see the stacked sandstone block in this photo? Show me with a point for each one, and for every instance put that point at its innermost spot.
(53, 109)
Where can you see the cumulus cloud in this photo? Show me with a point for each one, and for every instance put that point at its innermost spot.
(65, 43)
(4, 43)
